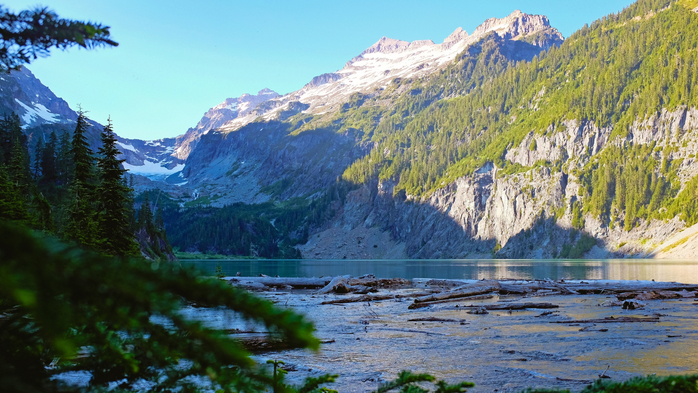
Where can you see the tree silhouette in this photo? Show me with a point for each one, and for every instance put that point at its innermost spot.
(32, 33)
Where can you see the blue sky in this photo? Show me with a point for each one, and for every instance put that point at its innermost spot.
(176, 59)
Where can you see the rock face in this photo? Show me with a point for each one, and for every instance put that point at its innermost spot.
(523, 215)
(36, 105)
(520, 26)
(228, 110)
(262, 160)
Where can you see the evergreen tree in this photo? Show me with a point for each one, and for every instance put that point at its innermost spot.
(12, 204)
(81, 154)
(132, 222)
(81, 225)
(64, 160)
(17, 169)
(159, 220)
(113, 199)
(38, 157)
(44, 215)
(48, 161)
(145, 216)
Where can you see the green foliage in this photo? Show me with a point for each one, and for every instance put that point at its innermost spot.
(649, 384)
(639, 182)
(582, 246)
(409, 382)
(533, 146)
(32, 33)
(57, 299)
(219, 271)
(268, 230)
(614, 72)
(577, 218)
(685, 205)
(237, 229)
(113, 200)
(12, 204)
(82, 225)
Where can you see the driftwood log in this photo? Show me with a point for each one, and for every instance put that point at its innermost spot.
(611, 320)
(512, 306)
(479, 288)
(414, 306)
(373, 298)
(282, 282)
(339, 284)
(435, 319)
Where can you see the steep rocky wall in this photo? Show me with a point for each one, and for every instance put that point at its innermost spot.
(523, 215)
(266, 159)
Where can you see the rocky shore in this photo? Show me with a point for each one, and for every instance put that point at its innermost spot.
(503, 335)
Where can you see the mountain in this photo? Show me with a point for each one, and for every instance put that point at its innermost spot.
(36, 105)
(42, 112)
(228, 110)
(266, 147)
(163, 159)
(507, 143)
(580, 148)
(376, 67)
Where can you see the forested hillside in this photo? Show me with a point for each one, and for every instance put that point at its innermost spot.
(621, 69)
(60, 186)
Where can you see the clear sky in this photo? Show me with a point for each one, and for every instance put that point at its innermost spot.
(177, 59)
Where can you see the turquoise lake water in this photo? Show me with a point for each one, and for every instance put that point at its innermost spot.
(617, 269)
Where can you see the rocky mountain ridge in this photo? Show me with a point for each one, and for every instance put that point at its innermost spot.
(240, 166)
(539, 189)
(389, 59)
(163, 160)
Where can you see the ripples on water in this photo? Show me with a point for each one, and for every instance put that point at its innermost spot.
(617, 269)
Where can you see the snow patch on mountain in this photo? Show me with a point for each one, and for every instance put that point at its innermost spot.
(124, 146)
(153, 169)
(31, 113)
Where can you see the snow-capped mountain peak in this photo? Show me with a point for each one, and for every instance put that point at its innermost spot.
(230, 109)
(389, 58)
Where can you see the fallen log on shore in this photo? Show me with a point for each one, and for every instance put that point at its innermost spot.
(435, 319)
(460, 299)
(479, 288)
(611, 320)
(610, 287)
(281, 282)
(338, 284)
(512, 306)
(373, 298)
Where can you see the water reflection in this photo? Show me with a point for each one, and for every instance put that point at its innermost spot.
(623, 269)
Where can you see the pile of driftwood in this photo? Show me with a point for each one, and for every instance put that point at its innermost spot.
(339, 284)
(630, 294)
(426, 292)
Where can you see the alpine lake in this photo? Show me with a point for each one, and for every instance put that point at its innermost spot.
(496, 269)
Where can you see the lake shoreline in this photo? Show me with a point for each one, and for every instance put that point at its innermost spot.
(489, 334)
(633, 269)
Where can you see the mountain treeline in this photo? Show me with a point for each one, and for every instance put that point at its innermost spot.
(266, 230)
(66, 189)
